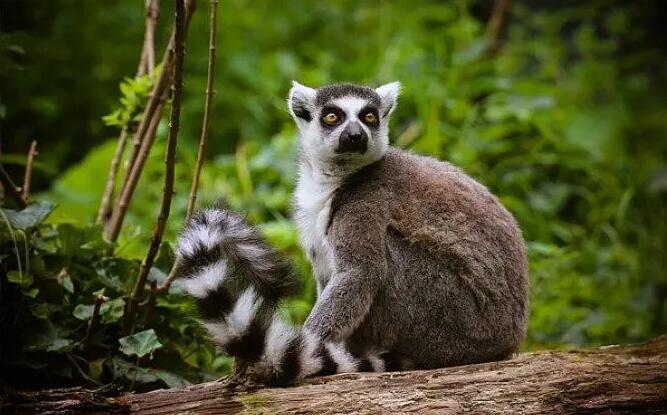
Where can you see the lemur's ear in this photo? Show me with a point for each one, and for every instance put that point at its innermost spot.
(301, 103)
(388, 95)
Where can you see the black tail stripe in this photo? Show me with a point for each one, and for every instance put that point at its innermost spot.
(250, 346)
(217, 304)
(392, 361)
(365, 366)
(189, 265)
(290, 364)
(329, 366)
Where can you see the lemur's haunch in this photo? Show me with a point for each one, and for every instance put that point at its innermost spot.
(417, 265)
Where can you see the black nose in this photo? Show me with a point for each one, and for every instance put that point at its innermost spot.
(353, 139)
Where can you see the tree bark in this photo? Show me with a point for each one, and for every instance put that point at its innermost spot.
(611, 380)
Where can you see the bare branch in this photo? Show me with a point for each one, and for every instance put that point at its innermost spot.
(144, 136)
(146, 64)
(497, 25)
(149, 314)
(11, 189)
(148, 53)
(94, 321)
(203, 140)
(210, 92)
(27, 179)
(107, 196)
(178, 52)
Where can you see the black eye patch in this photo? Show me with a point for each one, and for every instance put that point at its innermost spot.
(373, 121)
(331, 109)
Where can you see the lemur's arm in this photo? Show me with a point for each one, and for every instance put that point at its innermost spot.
(357, 237)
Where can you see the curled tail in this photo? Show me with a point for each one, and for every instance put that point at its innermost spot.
(238, 281)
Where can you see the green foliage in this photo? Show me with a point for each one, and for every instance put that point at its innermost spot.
(140, 344)
(567, 124)
(134, 94)
(55, 272)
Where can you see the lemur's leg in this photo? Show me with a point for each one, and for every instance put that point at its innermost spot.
(238, 281)
(361, 267)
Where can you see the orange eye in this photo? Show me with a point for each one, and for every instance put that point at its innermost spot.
(330, 118)
(370, 118)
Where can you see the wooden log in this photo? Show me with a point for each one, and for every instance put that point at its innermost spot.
(611, 380)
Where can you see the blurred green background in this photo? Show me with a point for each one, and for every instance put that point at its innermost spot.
(567, 123)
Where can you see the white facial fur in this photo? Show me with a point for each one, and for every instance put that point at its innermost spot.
(318, 144)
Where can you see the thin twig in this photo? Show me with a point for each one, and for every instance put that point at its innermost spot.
(170, 280)
(497, 25)
(81, 372)
(27, 179)
(94, 321)
(11, 189)
(210, 92)
(142, 139)
(172, 139)
(149, 306)
(107, 196)
(147, 63)
(203, 140)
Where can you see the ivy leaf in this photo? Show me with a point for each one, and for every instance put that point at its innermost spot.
(40, 310)
(22, 279)
(124, 370)
(110, 311)
(83, 311)
(140, 344)
(32, 293)
(60, 345)
(95, 368)
(113, 310)
(29, 217)
(68, 284)
(172, 380)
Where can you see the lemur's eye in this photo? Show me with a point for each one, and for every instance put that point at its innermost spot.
(370, 118)
(330, 118)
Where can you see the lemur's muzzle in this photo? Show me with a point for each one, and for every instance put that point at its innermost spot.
(353, 139)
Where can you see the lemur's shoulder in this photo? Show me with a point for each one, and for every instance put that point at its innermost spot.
(425, 200)
(402, 176)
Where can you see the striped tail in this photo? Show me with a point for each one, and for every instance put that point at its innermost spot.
(238, 281)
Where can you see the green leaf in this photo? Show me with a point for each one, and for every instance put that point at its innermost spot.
(60, 345)
(113, 310)
(32, 293)
(48, 246)
(95, 368)
(22, 279)
(68, 285)
(172, 380)
(140, 344)
(40, 311)
(29, 217)
(125, 370)
(83, 311)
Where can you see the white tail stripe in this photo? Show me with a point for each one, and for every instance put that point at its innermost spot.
(344, 360)
(278, 338)
(208, 279)
(200, 234)
(309, 360)
(376, 362)
(236, 324)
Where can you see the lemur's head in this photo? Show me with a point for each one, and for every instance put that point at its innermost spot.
(345, 125)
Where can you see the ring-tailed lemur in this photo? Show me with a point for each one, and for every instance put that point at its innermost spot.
(417, 265)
